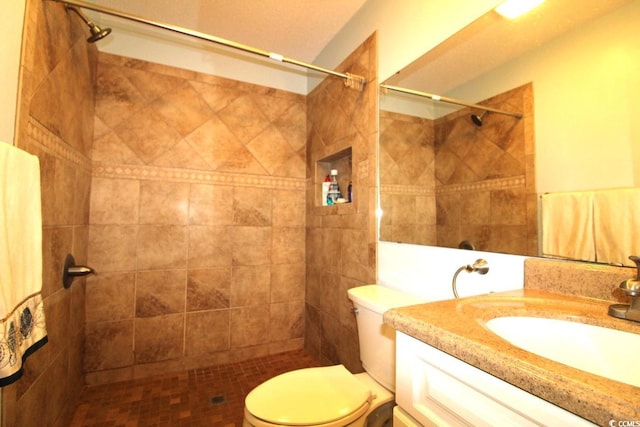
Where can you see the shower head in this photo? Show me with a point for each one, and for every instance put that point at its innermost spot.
(477, 119)
(97, 33)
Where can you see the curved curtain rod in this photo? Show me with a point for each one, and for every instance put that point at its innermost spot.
(448, 100)
(351, 80)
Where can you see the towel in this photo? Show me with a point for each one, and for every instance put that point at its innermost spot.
(616, 215)
(567, 226)
(22, 324)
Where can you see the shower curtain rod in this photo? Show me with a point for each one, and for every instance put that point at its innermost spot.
(351, 80)
(448, 100)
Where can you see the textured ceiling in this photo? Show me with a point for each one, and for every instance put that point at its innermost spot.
(298, 29)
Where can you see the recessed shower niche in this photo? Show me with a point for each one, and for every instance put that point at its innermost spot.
(341, 162)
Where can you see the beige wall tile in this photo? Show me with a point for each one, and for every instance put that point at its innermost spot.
(248, 326)
(287, 282)
(211, 205)
(208, 289)
(162, 247)
(108, 345)
(250, 285)
(160, 292)
(287, 242)
(252, 206)
(288, 208)
(183, 108)
(114, 201)
(112, 247)
(251, 245)
(110, 297)
(164, 202)
(286, 321)
(201, 338)
(210, 246)
(152, 346)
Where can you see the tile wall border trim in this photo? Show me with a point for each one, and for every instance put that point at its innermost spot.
(54, 144)
(195, 176)
(486, 185)
(407, 189)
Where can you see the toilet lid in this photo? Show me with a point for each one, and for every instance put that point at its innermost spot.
(308, 396)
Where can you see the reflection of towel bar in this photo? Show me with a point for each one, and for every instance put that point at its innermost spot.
(71, 270)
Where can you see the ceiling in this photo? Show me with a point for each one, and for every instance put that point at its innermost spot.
(492, 40)
(297, 29)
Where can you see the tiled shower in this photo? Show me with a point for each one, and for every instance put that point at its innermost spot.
(196, 224)
(447, 180)
(205, 252)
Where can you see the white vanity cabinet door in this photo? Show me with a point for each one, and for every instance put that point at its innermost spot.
(439, 390)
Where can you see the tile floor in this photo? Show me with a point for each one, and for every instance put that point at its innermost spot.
(208, 397)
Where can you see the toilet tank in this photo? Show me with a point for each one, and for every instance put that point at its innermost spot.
(378, 341)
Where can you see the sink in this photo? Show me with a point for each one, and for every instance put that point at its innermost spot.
(594, 349)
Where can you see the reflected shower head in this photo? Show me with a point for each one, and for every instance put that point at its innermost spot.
(97, 33)
(477, 119)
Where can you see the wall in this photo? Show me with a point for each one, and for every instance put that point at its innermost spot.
(427, 272)
(586, 88)
(485, 177)
(407, 179)
(56, 93)
(163, 47)
(405, 31)
(447, 181)
(197, 221)
(11, 24)
(341, 239)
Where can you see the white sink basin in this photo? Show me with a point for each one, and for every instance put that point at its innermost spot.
(601, 351)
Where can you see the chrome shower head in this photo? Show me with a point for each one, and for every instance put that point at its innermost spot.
(477, 119)
(97, 33)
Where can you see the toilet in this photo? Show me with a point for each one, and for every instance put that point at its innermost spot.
(331, 396)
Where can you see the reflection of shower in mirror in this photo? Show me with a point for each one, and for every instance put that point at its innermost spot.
(477, 119)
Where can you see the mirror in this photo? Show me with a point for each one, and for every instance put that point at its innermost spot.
(573, 74)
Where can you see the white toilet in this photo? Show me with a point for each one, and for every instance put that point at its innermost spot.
(331, 396)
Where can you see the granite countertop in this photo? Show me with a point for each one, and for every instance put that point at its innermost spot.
(457, 328)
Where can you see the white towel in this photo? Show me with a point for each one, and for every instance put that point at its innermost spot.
(22, 327)
(567, 226)
(616, 216)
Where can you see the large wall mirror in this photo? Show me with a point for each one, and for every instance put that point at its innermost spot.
(572, 71)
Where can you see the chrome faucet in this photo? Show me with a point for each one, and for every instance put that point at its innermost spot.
(632, 288)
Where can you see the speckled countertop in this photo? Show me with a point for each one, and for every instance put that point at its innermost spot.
(457, 327)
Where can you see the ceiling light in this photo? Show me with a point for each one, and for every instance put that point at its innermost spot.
(513, 8)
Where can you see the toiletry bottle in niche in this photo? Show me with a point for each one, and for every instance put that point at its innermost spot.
(350, 192)
(334, 190)
(325, 190)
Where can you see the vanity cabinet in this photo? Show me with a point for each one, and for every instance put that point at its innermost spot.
(437, 389)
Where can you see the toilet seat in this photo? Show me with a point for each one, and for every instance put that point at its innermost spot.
(312, 396)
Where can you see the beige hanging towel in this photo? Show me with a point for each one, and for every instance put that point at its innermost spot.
(616, 215)
(22, 327)
(567, 226)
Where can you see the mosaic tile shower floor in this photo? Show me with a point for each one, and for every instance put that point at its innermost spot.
(211, 397)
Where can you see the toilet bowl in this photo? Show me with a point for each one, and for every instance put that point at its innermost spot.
(331, 396)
